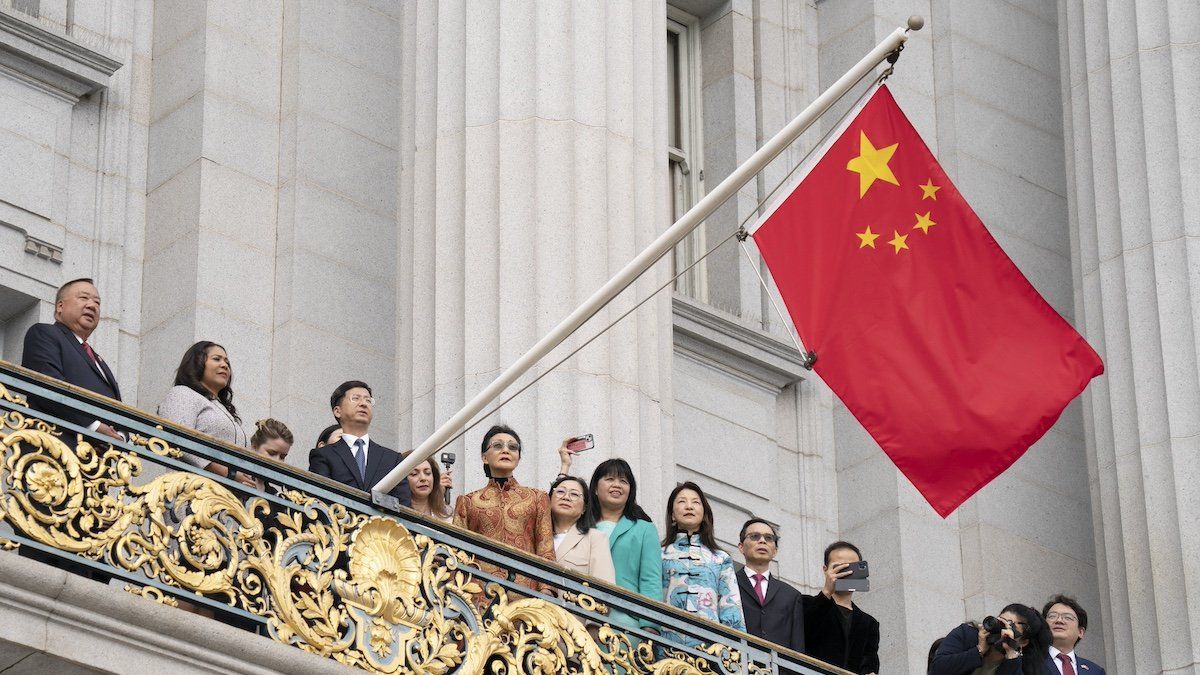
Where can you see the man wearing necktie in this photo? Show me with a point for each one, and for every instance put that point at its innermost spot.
(774, 610)
(1068, 622)
(355, 459)
(62, 351)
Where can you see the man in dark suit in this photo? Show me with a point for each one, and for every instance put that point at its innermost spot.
(836, 630)
(774, 610)
(1068, 623)
(61, 350)
(355, 459)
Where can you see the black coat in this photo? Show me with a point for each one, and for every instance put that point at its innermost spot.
(336, 462)
(959, 654)
(780, 619)
(824, 640)
(52, 349)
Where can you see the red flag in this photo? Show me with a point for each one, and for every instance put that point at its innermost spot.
(922, 326)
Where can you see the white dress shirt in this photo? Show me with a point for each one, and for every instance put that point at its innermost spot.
(765, 582)
(366, 439)
(1054, 652)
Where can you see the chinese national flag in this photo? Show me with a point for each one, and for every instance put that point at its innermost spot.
(922, 326)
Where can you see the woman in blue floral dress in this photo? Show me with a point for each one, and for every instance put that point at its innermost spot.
(698, 576)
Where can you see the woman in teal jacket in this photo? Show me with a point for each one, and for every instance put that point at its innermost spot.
(636, 554)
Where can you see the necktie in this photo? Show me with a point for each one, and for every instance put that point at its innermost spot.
(95, 359)
(1067, 668)
(758, 589)
(360, 458)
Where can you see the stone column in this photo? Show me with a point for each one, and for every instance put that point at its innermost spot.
(533, 166)
(1134, 191)
(211, 176)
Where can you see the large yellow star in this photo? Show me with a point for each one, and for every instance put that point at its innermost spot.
(929, 190)
(872, 164)
(924, 222)
(866, 238)
(898, 241)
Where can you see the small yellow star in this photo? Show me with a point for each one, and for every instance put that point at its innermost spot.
(923, 222)
(866, 238)
(929, 190)
(898, 241)
(872, 164)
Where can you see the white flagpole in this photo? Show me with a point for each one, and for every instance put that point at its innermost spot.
(660, 247)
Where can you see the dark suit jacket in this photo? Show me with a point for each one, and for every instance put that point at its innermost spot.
(1085, 667)
(336, 462)
(52, 349)
(959, 654)
(824, 640)
(780, 619)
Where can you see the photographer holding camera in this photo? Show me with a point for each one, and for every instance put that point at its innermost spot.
(1015, 642)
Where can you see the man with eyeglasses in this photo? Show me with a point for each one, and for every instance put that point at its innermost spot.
(355, 459)
(1068, 623)
(773, 609)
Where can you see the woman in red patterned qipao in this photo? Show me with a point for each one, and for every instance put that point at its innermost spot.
(504, 510)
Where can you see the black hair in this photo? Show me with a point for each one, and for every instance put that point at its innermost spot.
(1037, 633)
(344, 387)
(62, 290)
(190, 374)
(753, 521)
(487, 438)
(1060, 599)
(706, 520)
(841, 544)
(618, 468)
(586, 520)
(323, 439)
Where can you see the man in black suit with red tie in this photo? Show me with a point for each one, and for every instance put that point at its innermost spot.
(355, 459)
(774, 610)
(62, 351)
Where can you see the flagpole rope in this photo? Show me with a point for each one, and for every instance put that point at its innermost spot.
(808, 358)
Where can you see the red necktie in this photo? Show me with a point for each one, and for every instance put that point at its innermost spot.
(1067, 668)
(95, 359)
(758, 590)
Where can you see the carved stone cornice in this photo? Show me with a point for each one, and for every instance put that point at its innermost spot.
(722, 341)
(55, 63)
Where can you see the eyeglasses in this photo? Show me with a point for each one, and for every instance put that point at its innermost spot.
(759, 536)
(362, 398)
(569, 494)
(1054, 616)
(499, 445)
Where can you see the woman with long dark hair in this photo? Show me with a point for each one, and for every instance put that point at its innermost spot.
(202, 399)
(698, 576)
(632, 539)
(428, 490)
(1019, 645)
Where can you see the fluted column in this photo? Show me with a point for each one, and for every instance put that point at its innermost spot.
(1135, 214)
(533, 166)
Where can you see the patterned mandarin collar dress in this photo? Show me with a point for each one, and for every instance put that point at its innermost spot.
(700, 581)
(512, 514)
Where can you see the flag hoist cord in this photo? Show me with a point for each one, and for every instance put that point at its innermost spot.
(668, 239)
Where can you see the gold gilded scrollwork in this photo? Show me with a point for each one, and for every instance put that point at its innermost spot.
(152, 593)
(358, 589)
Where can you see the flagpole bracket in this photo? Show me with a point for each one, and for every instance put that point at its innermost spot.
(742, 234)
(808, 359)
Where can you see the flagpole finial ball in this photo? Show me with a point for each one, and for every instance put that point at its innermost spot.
(916, 22)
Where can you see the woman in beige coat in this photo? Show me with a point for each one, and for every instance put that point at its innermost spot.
(578, 545)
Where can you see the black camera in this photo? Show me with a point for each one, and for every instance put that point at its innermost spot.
(995, 638)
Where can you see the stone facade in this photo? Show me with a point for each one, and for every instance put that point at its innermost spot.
(412, 192)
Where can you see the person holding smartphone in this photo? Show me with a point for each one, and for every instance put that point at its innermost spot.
(836, 630)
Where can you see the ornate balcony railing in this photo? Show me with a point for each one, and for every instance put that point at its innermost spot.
(316, 565)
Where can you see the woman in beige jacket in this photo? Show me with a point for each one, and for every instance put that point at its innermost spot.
(578, 545)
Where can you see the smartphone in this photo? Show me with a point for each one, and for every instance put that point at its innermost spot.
(857, 580)
(581, 443)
